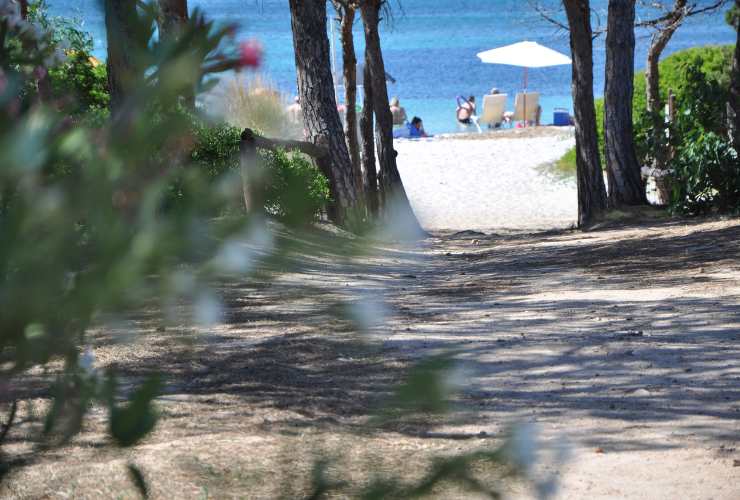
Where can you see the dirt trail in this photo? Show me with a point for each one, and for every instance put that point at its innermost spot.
(626, 341)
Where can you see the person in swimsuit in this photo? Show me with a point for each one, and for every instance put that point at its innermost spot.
(465, 109)
(398, 112)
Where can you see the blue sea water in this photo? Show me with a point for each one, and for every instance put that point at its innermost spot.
(430, 47)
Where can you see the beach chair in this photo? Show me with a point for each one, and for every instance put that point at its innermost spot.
(532, 106)
(494, 106)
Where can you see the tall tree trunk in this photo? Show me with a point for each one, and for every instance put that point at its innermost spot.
(367, 138)
(396, 206)
(318, 104)
(174, 16)
(591, 190)
(349, 70)
(24, 8)
(733, 111)
(654, 106)
(120, 24)
(622, 168)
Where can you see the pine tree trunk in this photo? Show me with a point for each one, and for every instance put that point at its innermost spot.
(733, 111)
(349, 63)
(319, 106)
(396, 206)
(120, 22)
(174, 16)
(622, 168)
(367, 139)
(24, 8)
(591, 190)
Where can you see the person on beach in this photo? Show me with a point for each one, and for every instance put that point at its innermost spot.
(416, 128)
(465, 109)
(398, 112)
(295, 114)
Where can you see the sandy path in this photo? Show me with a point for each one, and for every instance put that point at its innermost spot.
(624, 341)
(489, 183)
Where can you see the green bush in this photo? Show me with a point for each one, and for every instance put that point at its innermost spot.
(82, 233)
(295, 190)
(216, 148)
(706, 175)
(699, 78)
(80, 83)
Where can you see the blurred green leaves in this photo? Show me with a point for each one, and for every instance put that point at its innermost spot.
(130, 423)
(88, 229)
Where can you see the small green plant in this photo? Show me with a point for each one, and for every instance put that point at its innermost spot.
(296, 191)
(707, 175)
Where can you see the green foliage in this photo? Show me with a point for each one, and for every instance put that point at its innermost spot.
(733, 17)
(704, 174)
(566, 166)
(599, 106)
(707, 175)
(216, 148)
(86, 230)
(296, 190)
(714, 62)
(80, 84)
(132, 422)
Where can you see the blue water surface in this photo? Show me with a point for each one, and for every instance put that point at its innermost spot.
(429, 47)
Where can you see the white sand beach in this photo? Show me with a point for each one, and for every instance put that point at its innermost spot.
(489, 182)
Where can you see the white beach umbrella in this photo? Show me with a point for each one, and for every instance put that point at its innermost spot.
(526, 55)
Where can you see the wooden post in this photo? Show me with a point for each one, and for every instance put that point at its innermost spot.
(252, 172)
(248, 168)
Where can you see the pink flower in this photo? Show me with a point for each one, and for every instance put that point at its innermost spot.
(250, 53)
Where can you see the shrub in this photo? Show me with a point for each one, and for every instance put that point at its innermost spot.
(83, 234)
(706, 175)
(296, 190)
(80, 83)
(699, 78)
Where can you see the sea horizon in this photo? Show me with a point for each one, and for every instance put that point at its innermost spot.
(429, 47)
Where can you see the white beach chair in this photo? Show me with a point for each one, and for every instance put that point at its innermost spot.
(494, 106)
(532, 100)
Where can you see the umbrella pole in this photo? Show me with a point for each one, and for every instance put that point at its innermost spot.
(526, 77)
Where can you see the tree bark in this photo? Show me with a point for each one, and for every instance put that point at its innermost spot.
(733, 108)
(654, 106)
(396, 206)
(591, 190)
(622, 168)
(120, 22)
(174, 16)
(319, 106)
(367, 139)
(349, 69)
(24, 8)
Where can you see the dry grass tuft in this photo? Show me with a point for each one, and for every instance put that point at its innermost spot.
(254, 102)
